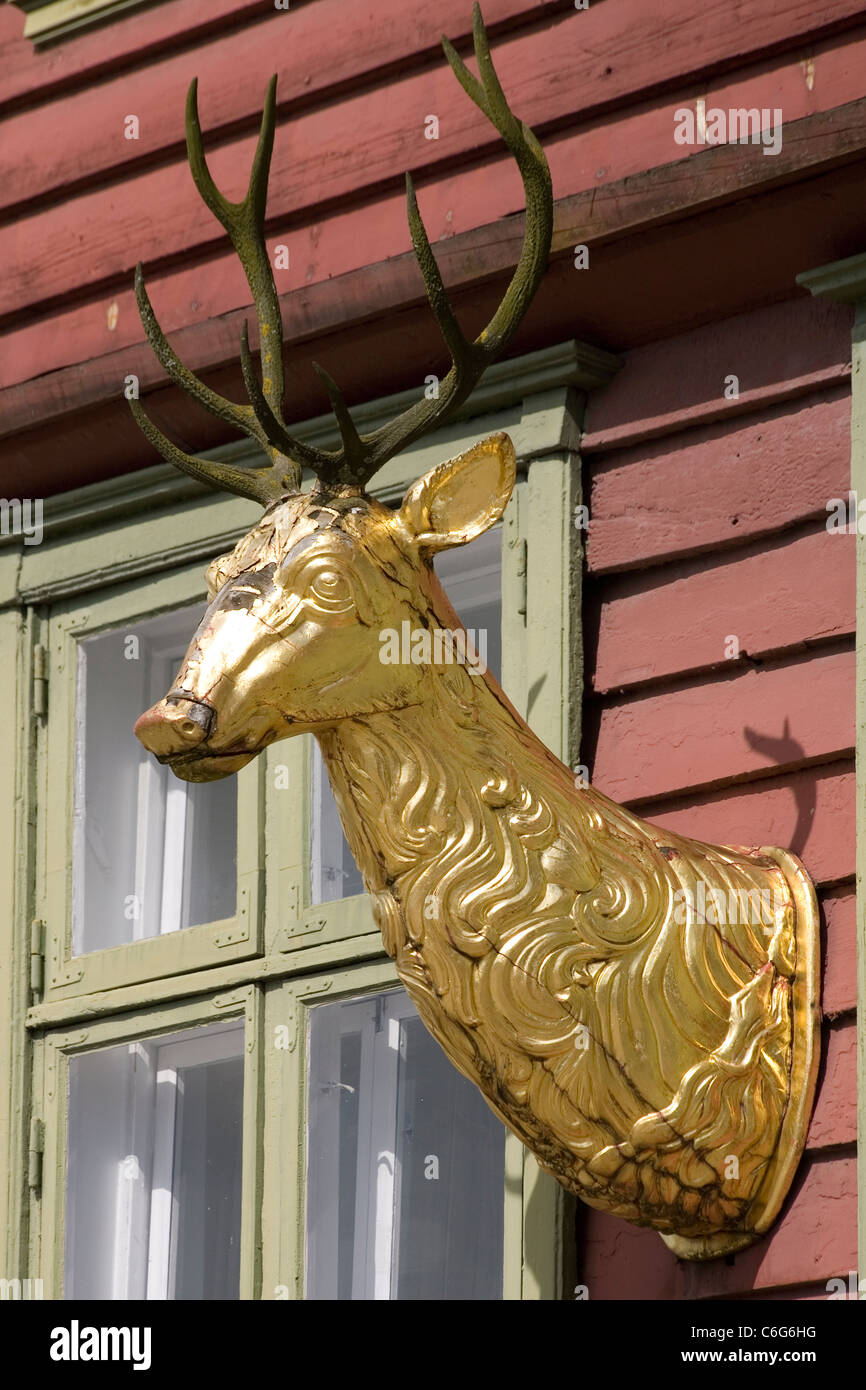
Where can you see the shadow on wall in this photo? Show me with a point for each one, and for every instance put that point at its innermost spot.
(785, 751)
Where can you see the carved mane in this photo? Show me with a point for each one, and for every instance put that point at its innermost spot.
(532, 923)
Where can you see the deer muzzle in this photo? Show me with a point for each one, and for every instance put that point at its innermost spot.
(174, 725)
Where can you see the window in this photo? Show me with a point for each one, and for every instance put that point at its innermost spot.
(232, 1095)
(152, 854)
(154, 1168)
(472, 579)
(152, 1189)
(166, 876)
(405, 1162)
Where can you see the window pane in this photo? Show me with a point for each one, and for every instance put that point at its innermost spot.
(333, 871)
(153, 1207)
(406, 1162)
(152, 854)
(207, 1167)
(471, 576)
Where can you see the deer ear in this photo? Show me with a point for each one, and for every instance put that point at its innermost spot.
(462, 497)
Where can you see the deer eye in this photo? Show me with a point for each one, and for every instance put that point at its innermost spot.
(331, 590)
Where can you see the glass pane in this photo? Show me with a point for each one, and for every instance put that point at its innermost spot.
(152, 854)
(451, 1166)
(405, 1165)
(471, 576)
(207, 1165)
(153, 1206)
(333, 871)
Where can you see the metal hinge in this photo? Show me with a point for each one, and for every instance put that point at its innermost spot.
(37, 956)
(34, 1154)
(521, 578)
(40, 681)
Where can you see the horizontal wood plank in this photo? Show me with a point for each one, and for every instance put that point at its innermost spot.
(834, 1119)
(810, 812)
(839, 985)
(680, 382)
(338, 151)
(716, 485)
(606, 55)
(47, 149)
(814, 1241)
(50, 456)
(29, 74)
(801, 1293)
(725, 730)
(721, 612)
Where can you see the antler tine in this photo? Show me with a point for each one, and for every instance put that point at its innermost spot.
(469, 360)
(261, 420)
(241, 416)
(273, 429)
(534, 171)
(245, 224)
(360, 456)
(343, 465)
(263, 485)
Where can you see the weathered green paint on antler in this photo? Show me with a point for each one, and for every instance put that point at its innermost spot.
(262, 419)
(245, 224)
(250, 482)
(360, 456)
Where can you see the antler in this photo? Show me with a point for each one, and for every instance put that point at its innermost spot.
(360, 456)
(261, 420)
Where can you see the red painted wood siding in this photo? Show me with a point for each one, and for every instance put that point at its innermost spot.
(700, 532)
(80, 204)
(345, 151)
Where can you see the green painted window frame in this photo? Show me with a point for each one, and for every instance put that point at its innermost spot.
(52, 1068)
(288, 1011)
(193, 948)
(137, 545)
(47, 20)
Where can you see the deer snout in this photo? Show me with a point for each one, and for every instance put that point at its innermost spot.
(174, 725)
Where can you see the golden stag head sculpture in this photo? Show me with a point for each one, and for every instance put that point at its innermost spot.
(655, 1050)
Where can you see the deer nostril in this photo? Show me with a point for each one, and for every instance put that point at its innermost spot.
(192, 719)
(174, 725)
